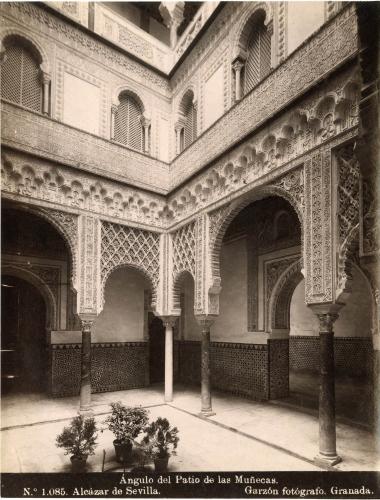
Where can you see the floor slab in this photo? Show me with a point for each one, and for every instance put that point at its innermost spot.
(242, 435)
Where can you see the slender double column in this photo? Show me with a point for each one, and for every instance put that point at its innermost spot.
(169, 322)
(85, 386)
(327, 427)
(206, 404)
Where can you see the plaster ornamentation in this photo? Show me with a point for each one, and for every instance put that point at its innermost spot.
(40, 179)
(286, 278)
(128, 246)
(348, 187)
(273, 271)
(184, 250)
(337, 41)
(369, 217)
(289, 137)
(318, 228)
(88, 296)
(33, 15)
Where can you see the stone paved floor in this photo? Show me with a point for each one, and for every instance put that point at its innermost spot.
(243, 435)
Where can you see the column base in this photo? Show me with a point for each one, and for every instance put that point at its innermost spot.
(86, 411)
(207, 413)
(168, 400)
(327, 460)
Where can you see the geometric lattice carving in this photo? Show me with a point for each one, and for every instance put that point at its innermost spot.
(184, 250)
(138, 248)
(369, 220)
(348, 210)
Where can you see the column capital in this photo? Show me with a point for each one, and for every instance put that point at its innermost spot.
(145, 122)
(237, 65)
(326, 322)
(87, 320)
(180, 123)
(205, 320)
(45, 77)
(169, 321)
(327, 314)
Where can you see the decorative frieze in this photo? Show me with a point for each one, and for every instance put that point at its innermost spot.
(41, 179)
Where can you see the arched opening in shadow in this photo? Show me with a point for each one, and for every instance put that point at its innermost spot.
(36, 261)
(262, 240)
(24, 346)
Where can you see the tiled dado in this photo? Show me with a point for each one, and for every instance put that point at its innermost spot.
(352, 355)
(114, 367)
(257, 371)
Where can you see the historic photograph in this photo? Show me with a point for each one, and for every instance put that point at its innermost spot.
(190, 242)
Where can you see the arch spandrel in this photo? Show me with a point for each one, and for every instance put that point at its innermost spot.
(131, 247)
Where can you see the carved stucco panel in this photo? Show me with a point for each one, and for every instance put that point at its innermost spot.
(318, 228)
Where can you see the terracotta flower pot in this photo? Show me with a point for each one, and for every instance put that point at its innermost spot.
(161, 464)
(78, 464)
(123, 451)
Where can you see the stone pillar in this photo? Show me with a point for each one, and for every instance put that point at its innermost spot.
(46, 87)
(327, 431)
(85, 385)
(169, 323)
(206, 405)
(146, 124)
(113, 115)
(237, 66)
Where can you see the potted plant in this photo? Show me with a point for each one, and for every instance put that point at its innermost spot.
(79, 440)
(160, 442)
(126, 423)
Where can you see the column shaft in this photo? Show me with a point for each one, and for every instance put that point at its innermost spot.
(168, 362)
(46, 97)
(85, 388)
(206, 405)
(327, 429)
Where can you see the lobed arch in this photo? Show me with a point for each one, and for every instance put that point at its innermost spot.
(30, 41)
(231, 211)
(65, 224)
(187, 98)
(279, 303)
(243, 29)
(128, 90)
(136, 267)
(176, 289)
(11, 269)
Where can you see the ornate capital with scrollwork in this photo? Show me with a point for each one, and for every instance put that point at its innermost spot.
(326, 322)
(205, 321)
(169, 321)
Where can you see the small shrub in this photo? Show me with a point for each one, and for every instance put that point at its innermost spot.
(160, 440)
(126, 422)
(79, 438)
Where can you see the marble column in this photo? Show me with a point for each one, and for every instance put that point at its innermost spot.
(237, 66)
(146, 124)
(327, 428)
(85, 386)
(206, 404)
(169, 323)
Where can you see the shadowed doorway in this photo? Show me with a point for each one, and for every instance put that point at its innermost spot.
(156, 349)
(23, 346)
